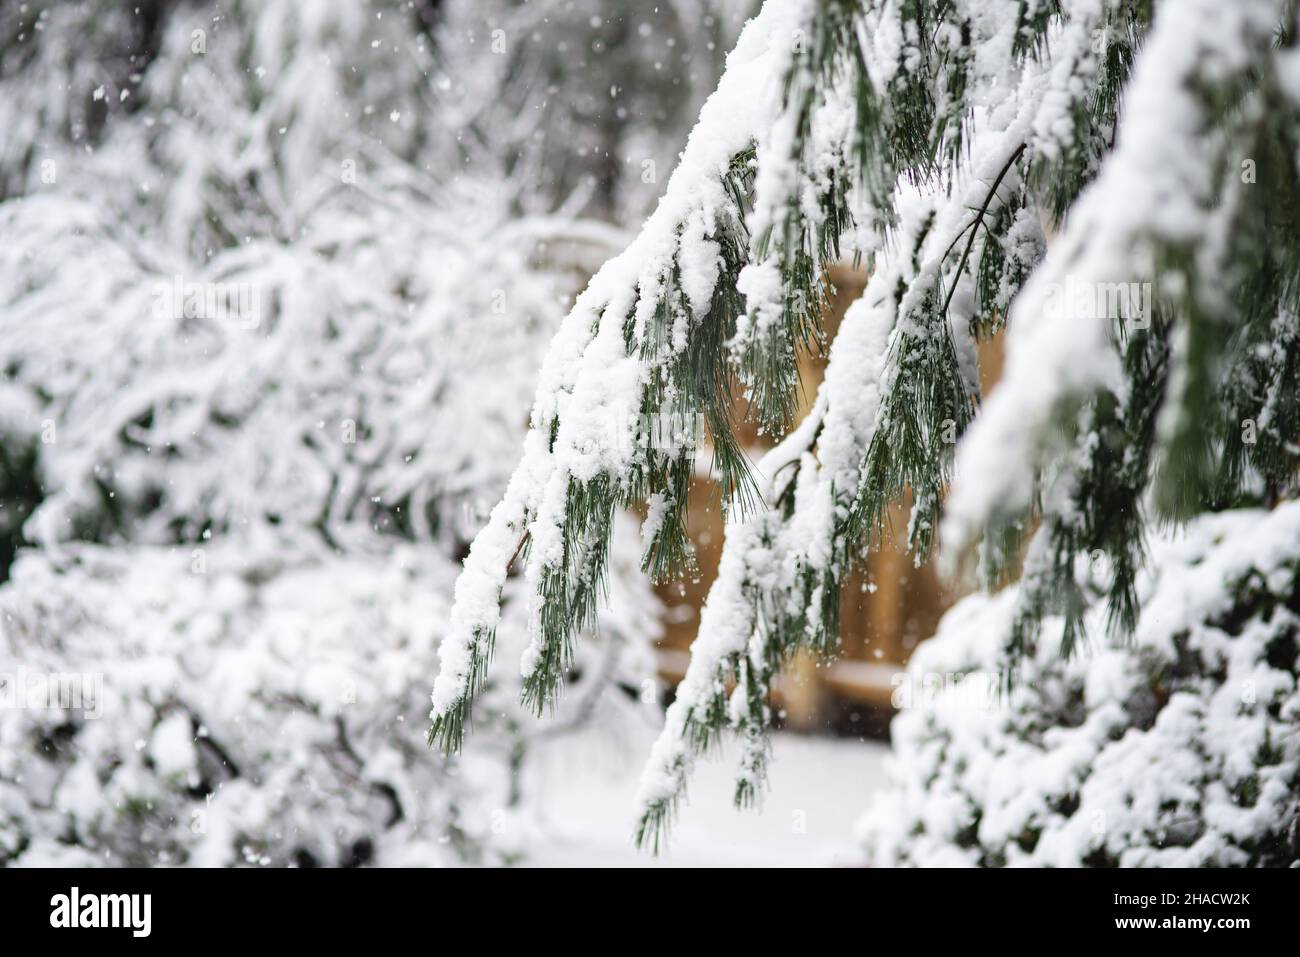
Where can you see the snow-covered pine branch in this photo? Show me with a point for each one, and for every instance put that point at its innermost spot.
(1100, 407)
(778, 585)
(648, 335)
(935, 138)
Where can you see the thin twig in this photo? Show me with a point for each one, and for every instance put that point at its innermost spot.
(518, 548)
(979, 218)
(798, 464)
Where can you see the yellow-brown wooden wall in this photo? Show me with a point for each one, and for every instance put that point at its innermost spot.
(884, 612)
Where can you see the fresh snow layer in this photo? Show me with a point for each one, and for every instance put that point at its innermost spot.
(819, 786)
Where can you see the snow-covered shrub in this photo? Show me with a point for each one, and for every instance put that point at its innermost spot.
(1180, 750)
(372, 375)
(262, 711)
(304, 166)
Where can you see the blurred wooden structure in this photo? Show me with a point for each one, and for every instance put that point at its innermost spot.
(884, 613)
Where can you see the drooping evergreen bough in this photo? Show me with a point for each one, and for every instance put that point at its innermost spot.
(1114, 181)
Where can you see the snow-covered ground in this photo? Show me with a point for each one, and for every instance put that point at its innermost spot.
(819, 787)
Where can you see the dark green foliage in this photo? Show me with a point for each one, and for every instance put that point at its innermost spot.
(1240, 314)
(20, 493)
(1107, 476)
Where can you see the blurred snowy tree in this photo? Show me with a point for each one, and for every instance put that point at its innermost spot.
(588, 100)
(65, 69)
